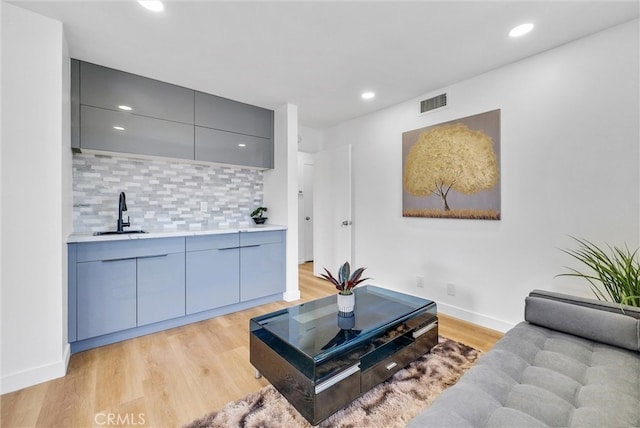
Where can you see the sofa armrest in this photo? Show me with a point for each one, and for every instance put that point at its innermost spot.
(605, 322)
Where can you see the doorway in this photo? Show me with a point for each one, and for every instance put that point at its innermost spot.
(305, 207)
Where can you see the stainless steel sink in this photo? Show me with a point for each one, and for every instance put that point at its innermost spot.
(114, 232)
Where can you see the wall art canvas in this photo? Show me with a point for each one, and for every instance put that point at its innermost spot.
(452, 170)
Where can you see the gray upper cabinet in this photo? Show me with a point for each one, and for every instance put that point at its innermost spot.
(213, 145)
(121, 112)
(109, 89)
(75, 104)
(233, 116)
(232, 132)
(127, 133)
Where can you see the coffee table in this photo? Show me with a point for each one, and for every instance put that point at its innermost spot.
(321, 359)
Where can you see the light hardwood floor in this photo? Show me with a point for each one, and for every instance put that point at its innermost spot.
(170, 378)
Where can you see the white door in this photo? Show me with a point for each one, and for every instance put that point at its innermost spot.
(332, 208)
(308, 172)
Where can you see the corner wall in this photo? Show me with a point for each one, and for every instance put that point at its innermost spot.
(570, 166)
(281, 190)
(35, 212)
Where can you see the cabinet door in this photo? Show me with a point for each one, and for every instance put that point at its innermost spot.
(160, 288)
(108, 88)
(106, 297)
(262, 264)
(213, 145)
(75, 104)
(72, 292)
(228, 115)
(114, 131)
(212, 278)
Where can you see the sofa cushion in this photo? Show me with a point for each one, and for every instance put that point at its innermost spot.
(537, 377)
(585, 318)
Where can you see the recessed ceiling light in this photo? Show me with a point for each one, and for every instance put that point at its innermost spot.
(125, 108)
(521, 30)
(118, 128)
(242, 145)
(367, 95)
(155, 6)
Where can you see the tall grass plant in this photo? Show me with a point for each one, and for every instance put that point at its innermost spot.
(613, 275)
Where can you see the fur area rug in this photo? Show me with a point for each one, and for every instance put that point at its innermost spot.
(390, 404)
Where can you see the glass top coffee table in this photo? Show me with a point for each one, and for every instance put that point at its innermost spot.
(321, 359)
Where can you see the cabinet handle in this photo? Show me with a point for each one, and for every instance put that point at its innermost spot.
(424, 330)
(390, 365)
(337, 378)
(118, 260)
(235, 248)
(152, 257)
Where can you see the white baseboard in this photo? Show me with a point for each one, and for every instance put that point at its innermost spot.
(36, 375)
(476, 318)
(291, 296)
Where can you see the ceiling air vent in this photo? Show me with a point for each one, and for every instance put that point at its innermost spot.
(433, 103)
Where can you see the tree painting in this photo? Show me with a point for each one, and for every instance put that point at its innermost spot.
(453, 158)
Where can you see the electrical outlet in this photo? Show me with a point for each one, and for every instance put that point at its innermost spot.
(203, 206)
(451, 289)
(420, 281)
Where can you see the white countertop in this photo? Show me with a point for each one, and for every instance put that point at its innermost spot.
(89, 237)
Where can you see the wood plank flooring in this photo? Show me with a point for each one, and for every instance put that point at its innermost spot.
(170, 378)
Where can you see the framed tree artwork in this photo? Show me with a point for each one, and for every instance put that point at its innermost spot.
(452, 170)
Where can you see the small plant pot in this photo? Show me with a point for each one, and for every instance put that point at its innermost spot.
(259, 220)
(346, 303)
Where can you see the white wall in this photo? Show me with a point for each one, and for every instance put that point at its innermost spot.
(281, 189)
(36, 211)
(570, 166)
(310, 140)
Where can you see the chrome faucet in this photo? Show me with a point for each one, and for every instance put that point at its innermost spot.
(122, 206)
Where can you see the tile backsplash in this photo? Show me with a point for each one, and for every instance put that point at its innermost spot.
(161, 194)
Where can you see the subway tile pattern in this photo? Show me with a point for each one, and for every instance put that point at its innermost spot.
(161, 194)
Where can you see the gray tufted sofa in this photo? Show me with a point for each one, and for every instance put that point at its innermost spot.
(573, 362)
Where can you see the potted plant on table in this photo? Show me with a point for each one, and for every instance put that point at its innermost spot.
(345, 283)
(257, 217)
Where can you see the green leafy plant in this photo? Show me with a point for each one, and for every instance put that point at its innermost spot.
(258, 212)
(615, 275)
(346, 280)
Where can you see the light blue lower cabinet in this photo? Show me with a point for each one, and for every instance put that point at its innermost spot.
(106, 297)
(262, 264)
(126, 288)
(161, 291)
(213, 279)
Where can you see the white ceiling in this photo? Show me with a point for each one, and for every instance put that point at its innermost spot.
(321, 55)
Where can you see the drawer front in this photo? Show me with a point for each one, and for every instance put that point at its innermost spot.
(425, 339)
(212, 242)
(260, 238)
(337, 396)
(116, 250)
(387, 367)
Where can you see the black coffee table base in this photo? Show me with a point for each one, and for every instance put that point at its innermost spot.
(349, 373)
